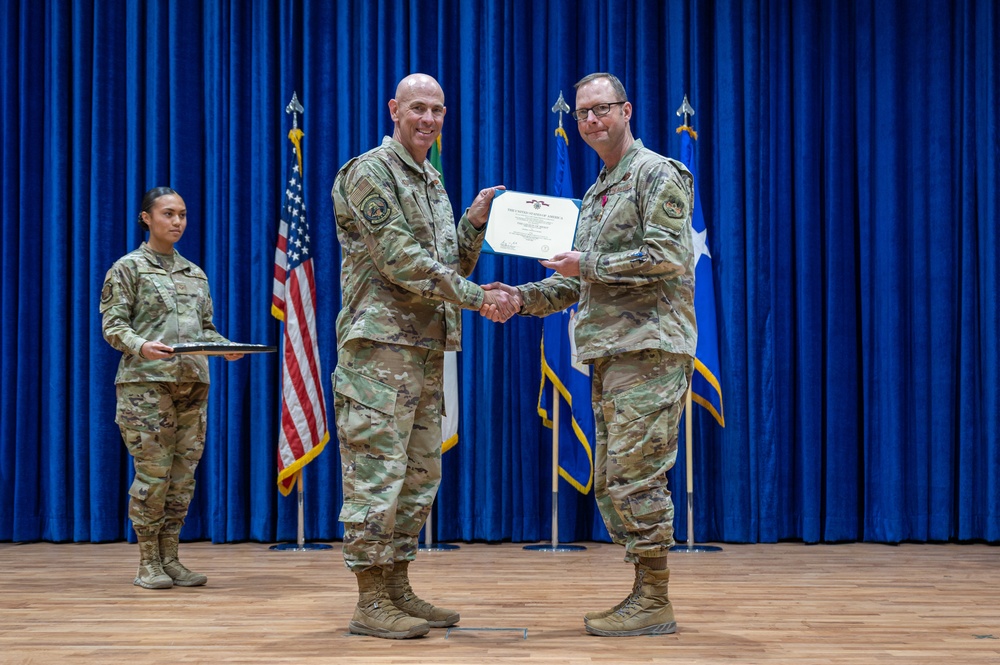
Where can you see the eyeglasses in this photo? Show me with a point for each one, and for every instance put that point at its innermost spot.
(600, 110)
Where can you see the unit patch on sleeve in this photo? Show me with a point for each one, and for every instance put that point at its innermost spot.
(107, 293)
(674, 206)
(375, 208)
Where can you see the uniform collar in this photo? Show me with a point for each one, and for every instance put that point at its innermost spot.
(150, 255)
(429, 172)
(621, 168)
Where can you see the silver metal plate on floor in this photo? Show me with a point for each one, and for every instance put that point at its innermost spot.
(523, 631)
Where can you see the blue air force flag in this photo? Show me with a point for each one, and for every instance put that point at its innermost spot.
(562, 373)
(706, 389)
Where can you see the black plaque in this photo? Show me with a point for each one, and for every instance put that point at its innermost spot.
(220, 348)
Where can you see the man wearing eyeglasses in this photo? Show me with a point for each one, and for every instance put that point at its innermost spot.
(403, 271)
(632, 270)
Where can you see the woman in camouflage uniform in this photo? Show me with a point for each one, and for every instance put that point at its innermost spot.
(153, 297)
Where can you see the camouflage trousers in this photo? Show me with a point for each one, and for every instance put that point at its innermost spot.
(388, 401)
(638, 399)
(163, 425)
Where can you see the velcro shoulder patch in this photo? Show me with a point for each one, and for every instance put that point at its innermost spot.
(363, 189)
(674, 206)
(107, 292)
(368, 199)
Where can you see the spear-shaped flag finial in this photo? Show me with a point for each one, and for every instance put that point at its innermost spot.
(295, 108)
(685, 111)
(560, 107)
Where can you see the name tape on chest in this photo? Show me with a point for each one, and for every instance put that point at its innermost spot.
(621, 188)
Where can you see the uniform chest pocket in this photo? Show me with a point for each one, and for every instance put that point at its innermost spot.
(191, 291)
(618, 225)
(417, 214)
(154, 287)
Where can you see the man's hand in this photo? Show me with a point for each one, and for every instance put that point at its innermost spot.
(480, 209)
(232, 356)
(566, 264)
(496, 292)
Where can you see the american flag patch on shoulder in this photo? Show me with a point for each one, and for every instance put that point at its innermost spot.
(363, 189)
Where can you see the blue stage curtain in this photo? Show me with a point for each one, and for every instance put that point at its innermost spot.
(848, 159)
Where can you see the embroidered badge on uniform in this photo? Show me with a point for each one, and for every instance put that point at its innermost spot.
(375, 208)
(106, 293)
(674, 207)
(361, 190)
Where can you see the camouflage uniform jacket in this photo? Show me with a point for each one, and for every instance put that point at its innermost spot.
(143, 301)
(402, 271)
(636, 283)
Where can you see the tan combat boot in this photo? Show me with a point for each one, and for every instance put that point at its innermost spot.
(150, 574)
(375, 614)
(172, 566)
(590, 616)
(647, 613)
(397, 583)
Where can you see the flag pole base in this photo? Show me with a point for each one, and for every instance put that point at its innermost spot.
(554, 548)
(304, 547)
(437, 547)
(695, 548)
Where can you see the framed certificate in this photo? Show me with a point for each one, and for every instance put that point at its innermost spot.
(220, 348)
(531, 225)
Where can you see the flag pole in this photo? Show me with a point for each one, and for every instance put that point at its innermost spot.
(689, 463)
(689, 545)
(555, 469)
(300, 544)
(429, 544)
(429, 530)
(686, 111)
(554, 546)
(559, 107)
(301, 530)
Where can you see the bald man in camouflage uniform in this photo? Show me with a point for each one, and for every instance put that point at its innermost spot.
(151, 298)
(633, 273)
(403, 284)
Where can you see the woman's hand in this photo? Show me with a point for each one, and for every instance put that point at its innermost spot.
(156, 351)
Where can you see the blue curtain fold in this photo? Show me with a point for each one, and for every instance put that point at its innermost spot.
(848, 159)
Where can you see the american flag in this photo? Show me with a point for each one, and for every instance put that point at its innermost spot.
(303, 406)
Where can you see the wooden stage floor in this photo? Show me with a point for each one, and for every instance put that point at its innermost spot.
(786, 603)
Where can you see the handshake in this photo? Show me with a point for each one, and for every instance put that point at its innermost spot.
(502, 301)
